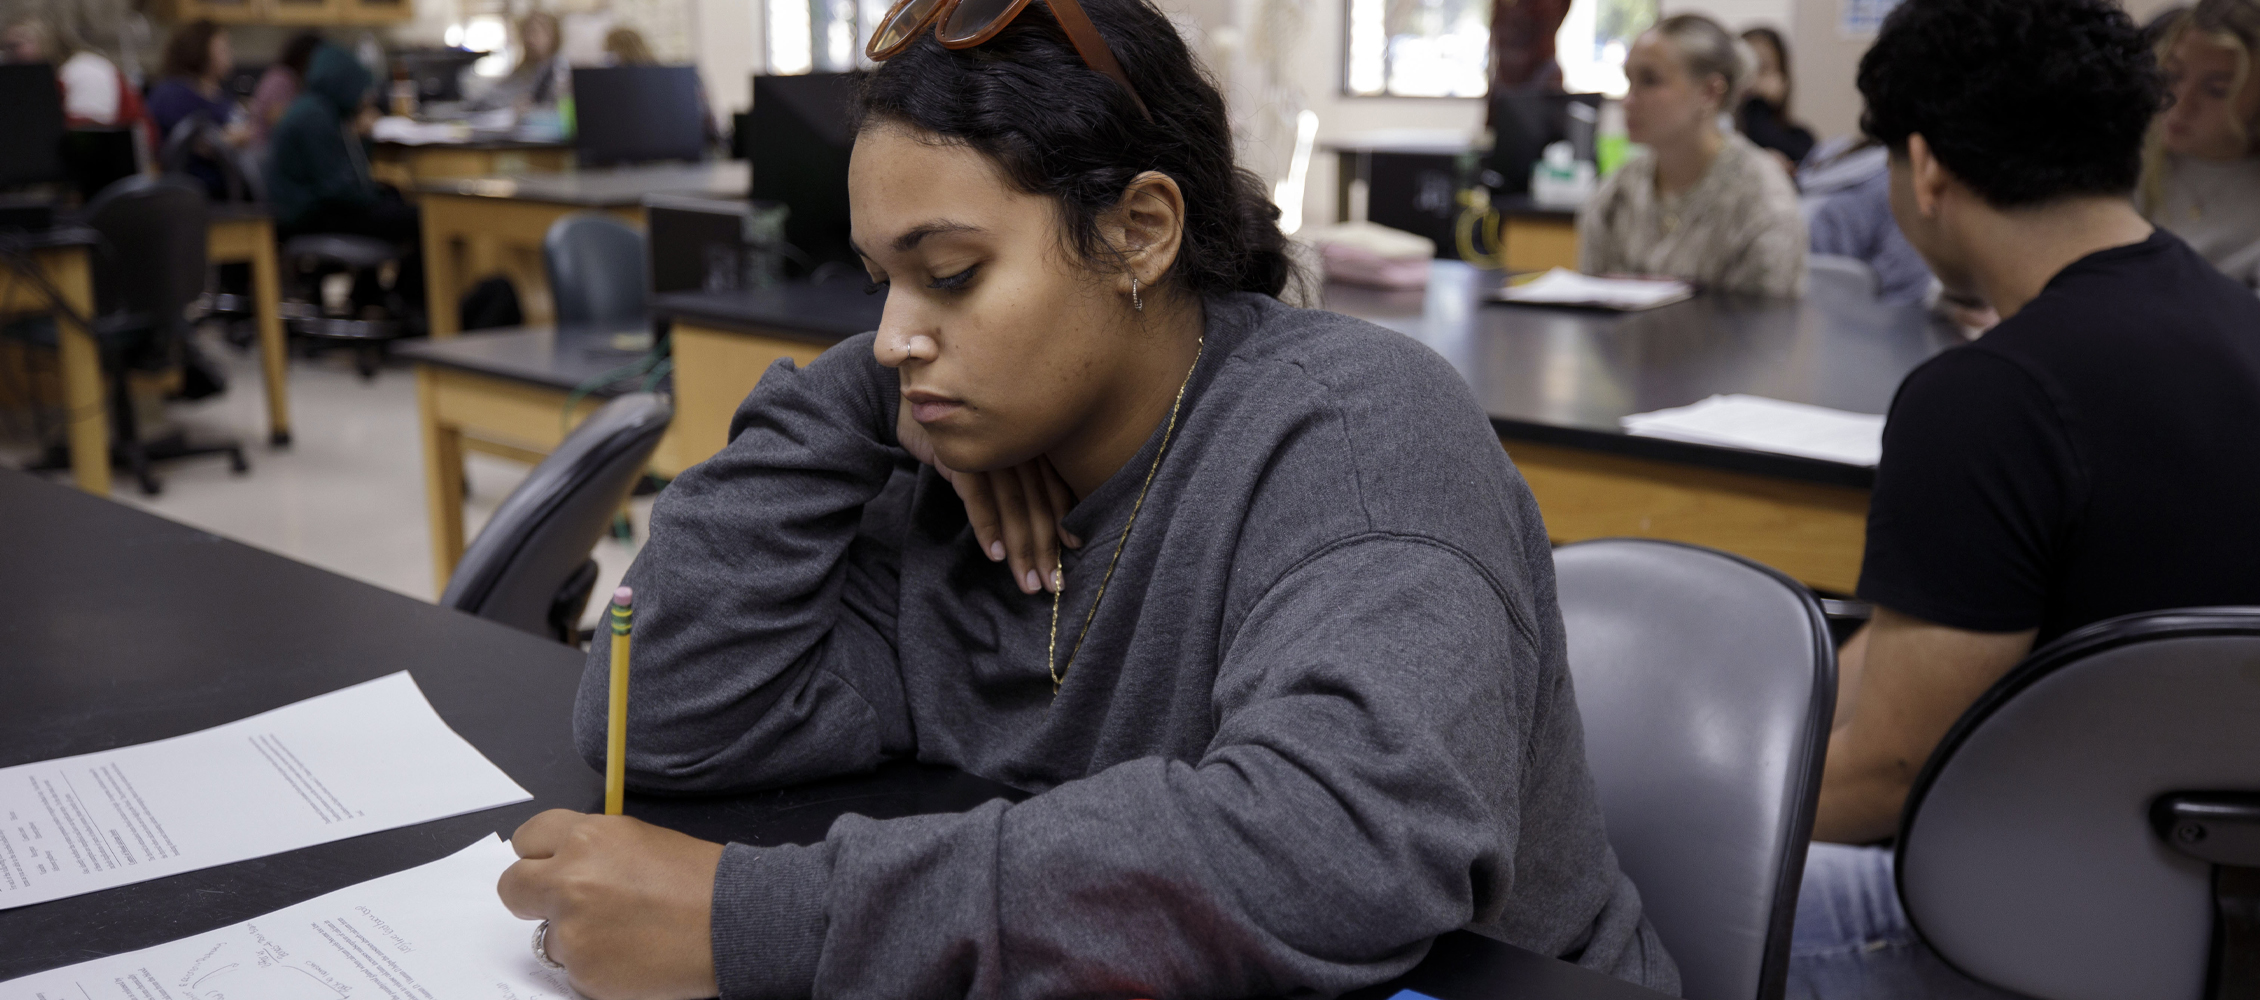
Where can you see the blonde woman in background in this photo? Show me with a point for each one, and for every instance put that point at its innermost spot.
(2202, 171)
(626, 47)
(1699, 204)
(535, 82)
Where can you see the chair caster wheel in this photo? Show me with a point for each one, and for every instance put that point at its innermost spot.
(280, 439)
(236, 464)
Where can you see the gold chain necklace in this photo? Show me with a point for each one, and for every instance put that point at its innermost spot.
(1052, 665)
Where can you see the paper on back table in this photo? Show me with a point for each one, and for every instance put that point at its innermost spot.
(1756, 423)
(434, 931)
(367, 758)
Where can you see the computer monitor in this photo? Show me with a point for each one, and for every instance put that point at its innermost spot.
(96, 158)
(1525, 120)
(438, 73)
(31, 117)
(797, 137)
(634, 114)
(710, 245)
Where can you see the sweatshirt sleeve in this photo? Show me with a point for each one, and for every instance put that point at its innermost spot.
(765, 596)
(1359, 798)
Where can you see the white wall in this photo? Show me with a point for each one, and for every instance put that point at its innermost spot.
(729, 46)
(1736, 15)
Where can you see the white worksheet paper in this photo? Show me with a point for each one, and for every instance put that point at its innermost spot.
(370, 757)
(434, 931)
(1756, 423)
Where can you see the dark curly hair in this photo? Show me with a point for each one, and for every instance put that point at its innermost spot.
(1061, 130)
(2026, 101)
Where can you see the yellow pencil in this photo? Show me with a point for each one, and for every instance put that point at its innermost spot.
(616, 731)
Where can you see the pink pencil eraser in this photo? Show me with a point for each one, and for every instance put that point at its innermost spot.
(624, 597)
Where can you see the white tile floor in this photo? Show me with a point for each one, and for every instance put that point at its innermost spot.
(348, 494)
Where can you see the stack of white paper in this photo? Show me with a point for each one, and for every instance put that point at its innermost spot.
(1564, 287)
(410, 132)
(430, 932)
(1756, 423)
(370, 757)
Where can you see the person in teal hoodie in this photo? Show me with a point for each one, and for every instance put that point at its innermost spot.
(318, 170)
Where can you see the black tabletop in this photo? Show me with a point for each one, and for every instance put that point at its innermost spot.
(124, 627)
(51, 238)
(821, 313)
(479, 143)
(1566, 376)
(589, 358)
(612, 187)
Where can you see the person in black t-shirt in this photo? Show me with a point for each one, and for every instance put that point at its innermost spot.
(2096, 454)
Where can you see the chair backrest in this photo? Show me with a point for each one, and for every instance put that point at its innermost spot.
(152, 258)
(596, 269)
(2027, 856)
(542, 533)
(1706, 683)
(1846, 277)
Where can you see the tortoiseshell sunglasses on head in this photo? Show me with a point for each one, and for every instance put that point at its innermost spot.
(963, 24)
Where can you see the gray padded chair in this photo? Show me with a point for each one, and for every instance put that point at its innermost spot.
(2090, 828)
(596, 270)
(530, 568)
(1706, 683)
(1847, 277)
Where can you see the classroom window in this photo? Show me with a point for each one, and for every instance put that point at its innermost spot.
(1594, 39)
(485, 33)
(820, 36)
(1419, 48)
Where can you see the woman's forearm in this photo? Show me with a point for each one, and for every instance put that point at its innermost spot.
(763, 644)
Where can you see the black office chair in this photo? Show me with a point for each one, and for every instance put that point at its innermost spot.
(596, 268)
(147, 270)
(309, 257)
(196, 139)
(2091, 827)
(1706, 683)
(530, 567)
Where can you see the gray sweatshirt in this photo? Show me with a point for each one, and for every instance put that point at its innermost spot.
(1321, 716)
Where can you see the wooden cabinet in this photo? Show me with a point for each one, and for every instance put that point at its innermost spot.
(297, 13)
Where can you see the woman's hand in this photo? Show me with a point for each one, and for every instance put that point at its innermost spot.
(1015, 512)
(630, 905)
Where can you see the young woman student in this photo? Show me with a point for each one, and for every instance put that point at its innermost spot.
(2201, 177)
(1700, 204)
(1247, 594)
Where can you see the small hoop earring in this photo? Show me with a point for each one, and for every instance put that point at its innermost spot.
(1135, 302)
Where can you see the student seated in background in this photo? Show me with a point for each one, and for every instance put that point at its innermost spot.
(2093, 455)
(198, 60)
(1763, 116)
(536, 80)
(1297, 703)
(1698, 203)
(2203, 175)
(281, 84)
(318, 169)
(95, 93)
(1855, 221)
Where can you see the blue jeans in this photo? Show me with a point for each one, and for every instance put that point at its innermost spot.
(1853, 942)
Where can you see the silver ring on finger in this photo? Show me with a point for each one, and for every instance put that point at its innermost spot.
(541, 947)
